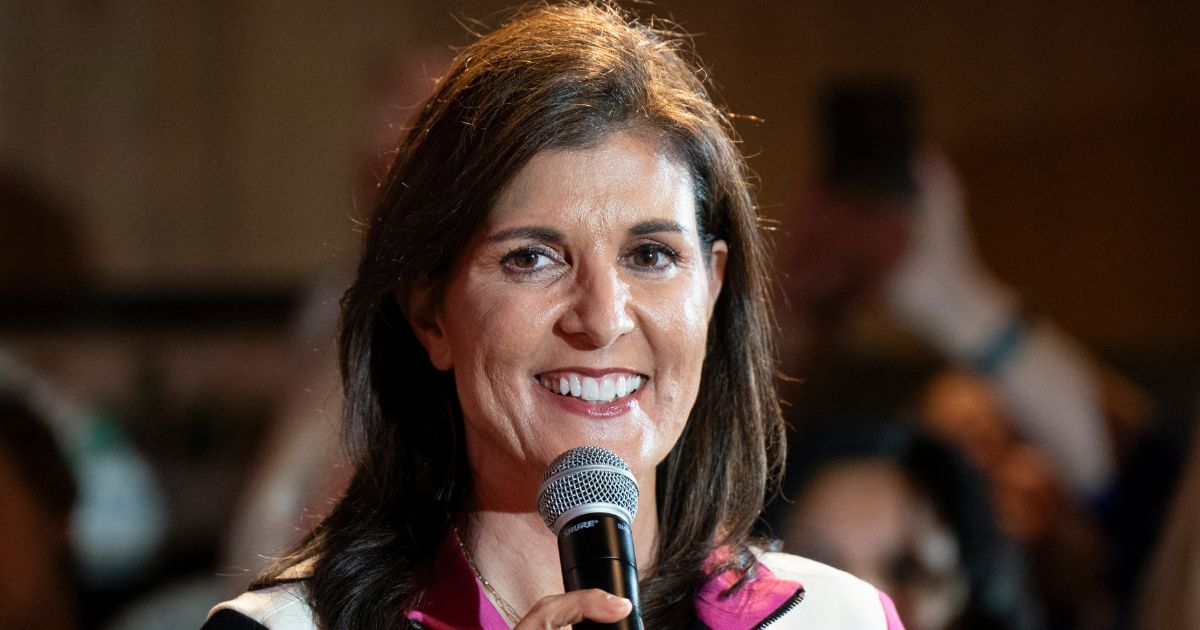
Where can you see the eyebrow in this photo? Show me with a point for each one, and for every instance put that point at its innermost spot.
(533, 233)
(546, 234)
(653, 227)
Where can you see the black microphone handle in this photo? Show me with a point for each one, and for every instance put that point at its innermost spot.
(596, 551)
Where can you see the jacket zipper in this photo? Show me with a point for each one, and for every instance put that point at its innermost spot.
(787, 607)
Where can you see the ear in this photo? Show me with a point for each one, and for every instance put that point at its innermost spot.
(425, 319)
(716, 273)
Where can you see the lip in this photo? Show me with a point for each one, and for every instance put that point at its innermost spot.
(592, 372)
(595, 410)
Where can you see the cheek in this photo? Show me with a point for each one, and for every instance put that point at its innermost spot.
(677, 327)
(493, 333)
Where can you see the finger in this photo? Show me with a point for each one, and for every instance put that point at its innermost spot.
(557, 611)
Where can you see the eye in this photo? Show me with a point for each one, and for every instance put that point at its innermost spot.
(652, 256)
(525, 260)
(529, 259)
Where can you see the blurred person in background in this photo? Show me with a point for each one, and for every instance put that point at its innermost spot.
(116, 523)
(1073, 560)
(1056, 433)
(886, 501)
(297, 470)
(39, 584)
(291, 476)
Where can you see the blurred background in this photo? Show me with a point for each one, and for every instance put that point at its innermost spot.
(179, 190)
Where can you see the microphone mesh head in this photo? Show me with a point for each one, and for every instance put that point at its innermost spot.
(586, 475)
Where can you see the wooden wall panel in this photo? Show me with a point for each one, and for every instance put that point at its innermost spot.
(215, 143)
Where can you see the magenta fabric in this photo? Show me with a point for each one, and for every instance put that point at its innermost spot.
(747, 607)
(456, 600)
(889, 612)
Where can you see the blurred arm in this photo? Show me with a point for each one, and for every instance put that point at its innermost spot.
(942, 291)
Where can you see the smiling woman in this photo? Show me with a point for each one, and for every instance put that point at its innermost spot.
(564, 253)
(588, 272)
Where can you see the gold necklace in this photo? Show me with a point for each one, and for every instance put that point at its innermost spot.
(509, 612)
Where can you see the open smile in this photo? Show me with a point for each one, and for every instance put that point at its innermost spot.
(602, 389)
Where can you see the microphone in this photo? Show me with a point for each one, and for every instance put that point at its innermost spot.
(588, 498)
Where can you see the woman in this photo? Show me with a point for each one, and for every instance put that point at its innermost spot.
(564, 253)
(893, 505)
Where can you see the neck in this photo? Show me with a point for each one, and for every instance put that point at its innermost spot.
(518, 554)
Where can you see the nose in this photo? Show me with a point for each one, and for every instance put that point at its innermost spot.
(599, 313)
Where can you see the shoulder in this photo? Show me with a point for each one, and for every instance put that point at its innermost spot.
(832, 598)
(281, 607)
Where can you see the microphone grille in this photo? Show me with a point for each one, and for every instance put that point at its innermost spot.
(586, 475)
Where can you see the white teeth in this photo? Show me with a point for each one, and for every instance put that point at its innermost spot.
(604, 389)
(608, 390)
(591, 389)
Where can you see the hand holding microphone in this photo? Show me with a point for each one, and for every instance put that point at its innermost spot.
(559, 611)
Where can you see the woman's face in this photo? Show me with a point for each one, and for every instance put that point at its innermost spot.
(579, 313)
(866, 517)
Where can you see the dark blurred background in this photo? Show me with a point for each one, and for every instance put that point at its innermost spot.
(181, 183)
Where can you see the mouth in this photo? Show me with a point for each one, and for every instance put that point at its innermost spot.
(592, 389)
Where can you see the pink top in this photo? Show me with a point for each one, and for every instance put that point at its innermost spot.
(456, 600)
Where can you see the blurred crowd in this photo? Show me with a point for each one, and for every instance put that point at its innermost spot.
(971, 458)
(1012, 479)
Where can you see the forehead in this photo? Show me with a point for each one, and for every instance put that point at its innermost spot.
(859, 508)
(625, 177)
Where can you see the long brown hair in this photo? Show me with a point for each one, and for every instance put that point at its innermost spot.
(555, 76)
